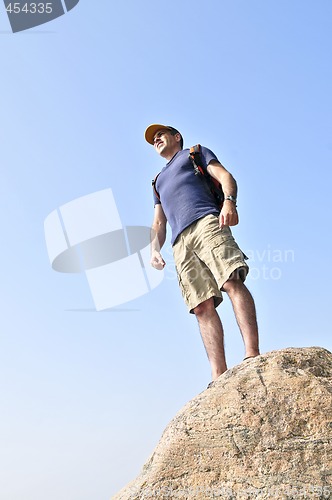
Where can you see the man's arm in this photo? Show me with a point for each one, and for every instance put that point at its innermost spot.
(228, 215)
(158, 237)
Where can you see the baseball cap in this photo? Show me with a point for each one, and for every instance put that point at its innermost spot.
(152, 129)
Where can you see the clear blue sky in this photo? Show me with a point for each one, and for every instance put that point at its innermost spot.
(86, 395)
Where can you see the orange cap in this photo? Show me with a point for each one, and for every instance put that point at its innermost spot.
(153, 129)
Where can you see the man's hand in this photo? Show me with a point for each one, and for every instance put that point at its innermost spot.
(157, 261)
(228, 215)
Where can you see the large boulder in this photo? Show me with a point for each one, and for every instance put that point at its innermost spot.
(263, 430)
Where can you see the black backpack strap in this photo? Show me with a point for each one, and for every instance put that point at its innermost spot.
(154, 186)
(195, 156)
(214, 185)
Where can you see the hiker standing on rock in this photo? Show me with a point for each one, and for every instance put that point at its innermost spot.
(207, 258)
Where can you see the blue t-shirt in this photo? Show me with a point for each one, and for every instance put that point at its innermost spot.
(185, 197)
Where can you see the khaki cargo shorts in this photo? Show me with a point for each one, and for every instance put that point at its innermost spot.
(205, 257)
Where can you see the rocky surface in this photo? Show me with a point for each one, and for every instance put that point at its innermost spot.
(263, 430)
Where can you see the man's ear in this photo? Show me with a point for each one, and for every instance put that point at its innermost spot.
(178, 137)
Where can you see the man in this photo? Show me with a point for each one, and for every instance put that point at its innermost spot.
(207, 258)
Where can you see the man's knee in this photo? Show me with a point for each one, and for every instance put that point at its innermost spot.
(236, 279)
(233, 284)
(204, 307)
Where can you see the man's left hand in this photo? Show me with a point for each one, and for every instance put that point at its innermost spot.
(228, 215)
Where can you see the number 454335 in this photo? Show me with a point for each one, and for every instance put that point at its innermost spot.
(29, 8)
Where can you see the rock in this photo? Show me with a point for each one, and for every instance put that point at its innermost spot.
(263, 430)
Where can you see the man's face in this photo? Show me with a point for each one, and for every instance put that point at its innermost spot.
(164, 142)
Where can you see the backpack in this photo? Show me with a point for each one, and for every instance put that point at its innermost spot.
(213, 184)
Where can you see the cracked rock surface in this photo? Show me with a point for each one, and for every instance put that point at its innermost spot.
(263, 430)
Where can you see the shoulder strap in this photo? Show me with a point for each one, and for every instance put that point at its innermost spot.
(214, 185)
(195, 155)
(154, 186)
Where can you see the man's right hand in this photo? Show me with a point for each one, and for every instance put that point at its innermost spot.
(157, 261)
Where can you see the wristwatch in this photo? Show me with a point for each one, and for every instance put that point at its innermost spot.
(231, 198)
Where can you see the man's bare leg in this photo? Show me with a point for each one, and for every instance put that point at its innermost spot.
(245, 314)
(212, 335)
